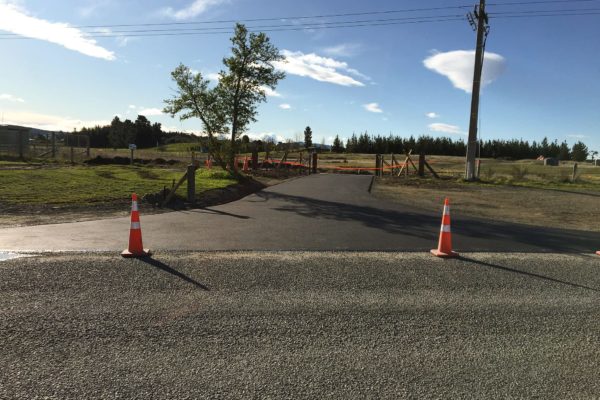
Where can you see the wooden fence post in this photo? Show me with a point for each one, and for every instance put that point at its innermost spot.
(254, 158)
(191, 184)
(53, 145)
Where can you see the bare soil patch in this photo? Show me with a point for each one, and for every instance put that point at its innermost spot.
(552, 207)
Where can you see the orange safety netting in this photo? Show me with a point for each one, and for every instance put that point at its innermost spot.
(297, 164)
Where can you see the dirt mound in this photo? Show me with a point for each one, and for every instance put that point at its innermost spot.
(99, 160)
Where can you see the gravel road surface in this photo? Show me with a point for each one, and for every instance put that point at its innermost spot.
(300, 325)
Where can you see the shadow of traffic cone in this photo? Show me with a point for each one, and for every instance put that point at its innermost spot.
(135, 249)
(445, 244)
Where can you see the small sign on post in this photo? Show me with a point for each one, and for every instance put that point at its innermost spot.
(132, 147)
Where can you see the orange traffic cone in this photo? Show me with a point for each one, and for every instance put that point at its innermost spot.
(445, 244)
(135, 249)
(245, 169)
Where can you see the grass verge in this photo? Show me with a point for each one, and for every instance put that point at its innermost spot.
(568, 207)
(81, 185)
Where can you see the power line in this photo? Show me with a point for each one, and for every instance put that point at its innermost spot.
(546, 11)
(283, 29)
(331, 24)
(519, 3)
(466, 6)
(545, 15)
(336, 23)
(407, 10)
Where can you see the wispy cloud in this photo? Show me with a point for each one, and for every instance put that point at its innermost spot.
(432, 115)
(578, 136)
(49, 122)
(92, 7)
(196, 8)
(446, 128)
(213, 76)
(322, 69)
(141, 110)
(372, 107)
(147, 112)
(266, 136)
(15, 19)
(285, 106)
(458, 67)
(343, 50)
(11, 98)
(270, 92)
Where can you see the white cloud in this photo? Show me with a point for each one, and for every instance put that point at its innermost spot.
(372, 107)
(322, 69)
(578, 136)
(432, 115)
(131, 106)
(196, 8)
(266, 135)
(15, 19)
(458, 67)
(147, 112)
(445, 128)
(213, 76)
(343, 50)
(10, 97)
(172, 128)
(49, 122)
(92, 7)
(285, 106)
(270, 92)
(123, 41)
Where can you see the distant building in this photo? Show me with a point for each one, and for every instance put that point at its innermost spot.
(14, 140)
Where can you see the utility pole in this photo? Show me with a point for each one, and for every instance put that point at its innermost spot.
(478, 20)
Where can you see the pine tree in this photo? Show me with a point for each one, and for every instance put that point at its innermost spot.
(338, 146)
(579, 152)
(308, 137)
(564, 153)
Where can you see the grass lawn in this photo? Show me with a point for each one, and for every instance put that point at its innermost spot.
(83, 184)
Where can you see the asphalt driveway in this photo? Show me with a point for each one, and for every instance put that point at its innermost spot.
(318, 212)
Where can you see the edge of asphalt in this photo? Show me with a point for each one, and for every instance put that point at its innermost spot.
(104, 252)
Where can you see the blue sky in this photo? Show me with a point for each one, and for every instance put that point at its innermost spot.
(543, 74)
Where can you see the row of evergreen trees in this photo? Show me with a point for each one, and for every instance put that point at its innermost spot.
(140, 132)
(144, 134)
(511, 149)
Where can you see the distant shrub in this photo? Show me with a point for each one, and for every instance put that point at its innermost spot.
(105, 174)
(518, 172)
(488, 173)
(146, 174)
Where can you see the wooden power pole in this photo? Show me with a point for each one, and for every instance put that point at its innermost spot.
(479, 20)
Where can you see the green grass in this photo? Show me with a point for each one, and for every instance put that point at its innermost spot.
(6, 163)
(82, 185)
